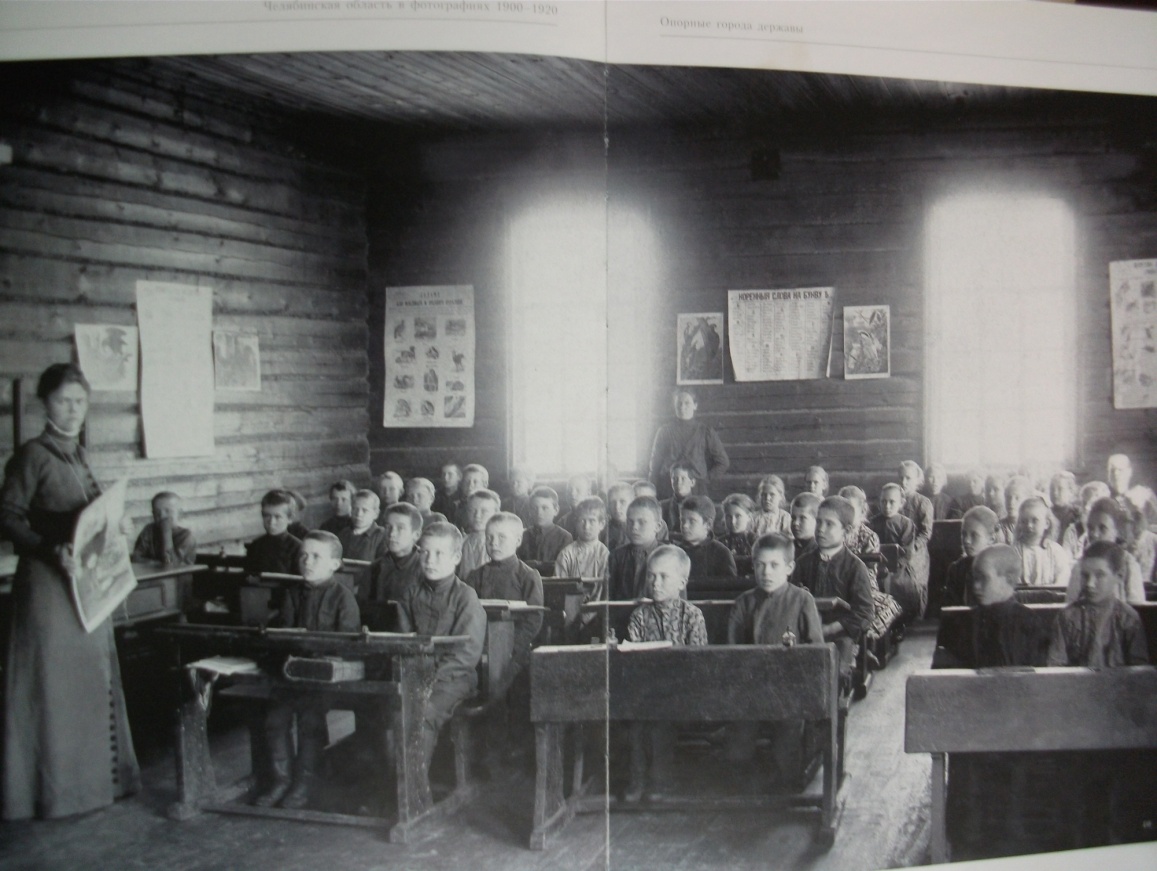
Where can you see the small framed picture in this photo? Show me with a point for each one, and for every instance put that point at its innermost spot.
(867, 342)
(699, 347)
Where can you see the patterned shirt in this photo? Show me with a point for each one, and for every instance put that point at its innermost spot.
(861, 540)
(675, 620)
(764, 522)
(1107, 634)
(1046, 565)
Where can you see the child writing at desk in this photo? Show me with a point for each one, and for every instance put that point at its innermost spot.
(443, 605)
(321, 604)
(163, 540)
(666, 618)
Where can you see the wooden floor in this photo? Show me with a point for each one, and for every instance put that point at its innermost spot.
(884, 825)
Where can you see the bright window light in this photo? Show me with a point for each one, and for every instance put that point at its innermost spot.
(1000, 351)
(569, 414)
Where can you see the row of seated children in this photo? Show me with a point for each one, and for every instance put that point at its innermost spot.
(1097, 629)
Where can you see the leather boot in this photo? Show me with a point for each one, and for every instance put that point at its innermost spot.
(279, 762)
(309, 749)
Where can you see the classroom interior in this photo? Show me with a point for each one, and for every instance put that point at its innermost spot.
(587, 206)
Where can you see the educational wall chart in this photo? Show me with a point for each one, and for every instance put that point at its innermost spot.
(780, 335)
(867, 342)
(107, 354)
(104, 576)
(236, 361)
(429, 354)
(699, 343)
(176, 324)
(1133, 304)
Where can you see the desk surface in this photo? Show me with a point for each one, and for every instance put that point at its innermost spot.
(298, 640)
(152, 571)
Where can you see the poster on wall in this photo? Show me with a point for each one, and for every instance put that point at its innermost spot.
(176, 323)
(1133, 306)
(236, 361)
(699, 345)
(867, 341)
(103, 577)
(780, 335)
(429, 356)
(107, 354)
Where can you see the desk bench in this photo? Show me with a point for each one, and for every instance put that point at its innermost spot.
(1011, 710)
(597, 683)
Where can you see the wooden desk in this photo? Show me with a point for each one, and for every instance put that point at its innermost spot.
(159, 593)
(595, 683)
(616, 616)
(952, 711)
(725, 587)
(564, 598)
(400, 671)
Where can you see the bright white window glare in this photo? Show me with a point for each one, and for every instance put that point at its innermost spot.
(569, 415)
(1000, 349)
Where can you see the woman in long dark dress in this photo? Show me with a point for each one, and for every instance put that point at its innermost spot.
(67, 747)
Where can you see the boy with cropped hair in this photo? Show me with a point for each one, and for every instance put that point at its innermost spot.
(391, 488)
(709, 558)
(627, 566)
(277, 551)
(682, 486)
(619, 496)
(341, 494)
(646, 488)
(442, 605)
(586, 556)
(474, 478)
(522, 480)
(542, 542)
(164, 540)
(420, 493)
(400, 567)
(449, 498)
(480, 506)
(578, 488)
(321, 604)
(832, 571)
(803, 522)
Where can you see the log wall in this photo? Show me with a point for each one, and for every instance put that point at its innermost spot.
(122, 174)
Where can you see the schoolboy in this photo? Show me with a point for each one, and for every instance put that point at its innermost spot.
(341, 496)
(448, 500)
(682, 486)
(803, 522)
(975, 494)
(400, 567)
(774, 612)
(277, 550)
(363, 539)
(619, 496)
(543, 541)
(815, 481)
(771, 516)
(1099, 630)
(831, 570)
(646, 488)
(586, 556)
(1004, 632)
(977, 531)
(505, 576)
(709, 558)
(521, 486)
(943, 504)
(443, 605)
(480, 507)
(578, 488)
(420, 494)
(164, 540)
(321, 604)
(667, 617)
(474, 478)
(391, 489)
(738, 513)
(1043, 561)
(627, 565)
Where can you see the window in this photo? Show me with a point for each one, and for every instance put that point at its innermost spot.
(1000, 350)
(570, 317)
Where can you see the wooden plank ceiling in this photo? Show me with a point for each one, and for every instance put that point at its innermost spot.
(473, 91)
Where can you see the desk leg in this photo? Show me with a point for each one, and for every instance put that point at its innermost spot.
(826, 834)
(415, 676)
(551, 810)
(939, 797)
(196, 783)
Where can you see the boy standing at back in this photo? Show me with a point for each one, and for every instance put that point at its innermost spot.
(682, 486)
(400, 567)
(320, 605)
(277, 550)
(831, 570)
(627, 566)
(163, 540)
(709, 558)
(543, 541)
(443, 605)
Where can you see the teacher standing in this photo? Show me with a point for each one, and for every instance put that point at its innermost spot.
(67, 746)
(689, 442)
